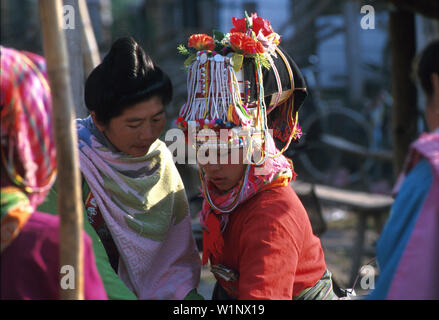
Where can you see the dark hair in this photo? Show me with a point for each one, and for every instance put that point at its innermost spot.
(427, 64)
(126, 76)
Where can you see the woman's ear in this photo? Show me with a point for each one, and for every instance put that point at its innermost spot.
(100, 126)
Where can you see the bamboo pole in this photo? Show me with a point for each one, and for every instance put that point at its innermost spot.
(73, 41)
(90, 50)
(68, 180)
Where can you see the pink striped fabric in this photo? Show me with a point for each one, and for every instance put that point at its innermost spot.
(28, 146)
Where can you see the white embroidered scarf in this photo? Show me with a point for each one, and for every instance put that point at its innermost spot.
(144, 204)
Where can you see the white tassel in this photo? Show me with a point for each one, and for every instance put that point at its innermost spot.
(219, 95)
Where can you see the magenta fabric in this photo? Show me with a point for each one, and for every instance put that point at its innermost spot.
(417, 276)
(30, 264)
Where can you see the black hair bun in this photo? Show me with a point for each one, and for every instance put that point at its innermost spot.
(126, 76)
(126, 61)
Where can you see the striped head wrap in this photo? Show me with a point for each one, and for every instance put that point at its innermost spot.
(28, 145)
(27, 142)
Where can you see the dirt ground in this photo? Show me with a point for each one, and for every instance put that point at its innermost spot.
(337, 243)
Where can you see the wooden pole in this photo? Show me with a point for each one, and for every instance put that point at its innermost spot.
(404, 108)
(73, 40)
(90, 50)
(353, 51)
(68, 180)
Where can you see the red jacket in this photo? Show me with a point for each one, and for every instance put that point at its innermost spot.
(269, 242)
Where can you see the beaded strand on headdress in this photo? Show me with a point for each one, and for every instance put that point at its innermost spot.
(237, 199)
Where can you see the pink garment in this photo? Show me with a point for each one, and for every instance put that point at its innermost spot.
(30, 264)
(422, 250)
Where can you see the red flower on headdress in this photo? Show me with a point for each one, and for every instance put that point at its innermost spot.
(261, 24)
(236, 40)
(249, 45)
(201, 41)
(240, 25)
(258, 24)
(243, 43)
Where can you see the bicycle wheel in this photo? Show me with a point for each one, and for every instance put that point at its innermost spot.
(328, 143)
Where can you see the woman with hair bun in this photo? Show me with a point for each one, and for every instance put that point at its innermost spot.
(133, 194)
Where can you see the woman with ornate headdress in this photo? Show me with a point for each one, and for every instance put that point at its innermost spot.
(244, 92)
